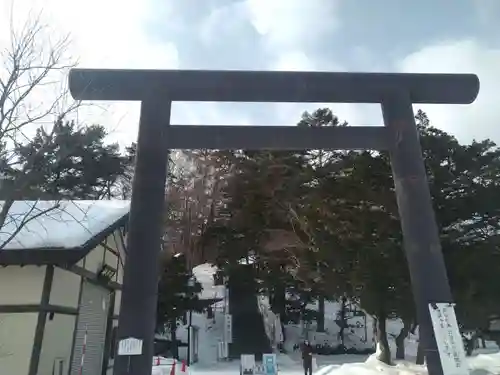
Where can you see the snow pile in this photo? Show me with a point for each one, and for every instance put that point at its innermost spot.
(485, 362)
(58, 224)
(479, 365)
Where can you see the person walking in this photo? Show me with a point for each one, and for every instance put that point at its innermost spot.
(307, 357)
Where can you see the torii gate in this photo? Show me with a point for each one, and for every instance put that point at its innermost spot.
(157, 89)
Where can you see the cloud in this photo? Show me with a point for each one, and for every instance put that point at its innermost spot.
(223, 34)
(253, 35)
(290, 23)
(104, 34)
(257, 35)
(488, 12)
(479, 120)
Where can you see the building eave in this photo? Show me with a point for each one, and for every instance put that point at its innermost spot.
(57, 256)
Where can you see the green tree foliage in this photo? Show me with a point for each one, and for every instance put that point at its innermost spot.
(77, 164)
(341, 209)
(177, 294)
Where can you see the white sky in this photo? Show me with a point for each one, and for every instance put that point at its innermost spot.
(277, 34)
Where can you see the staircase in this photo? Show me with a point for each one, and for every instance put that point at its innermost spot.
(249, 335)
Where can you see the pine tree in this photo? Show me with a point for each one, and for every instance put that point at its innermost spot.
(177, 294)
(77, 164)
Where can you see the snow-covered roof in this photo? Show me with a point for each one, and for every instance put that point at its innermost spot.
(58, 224)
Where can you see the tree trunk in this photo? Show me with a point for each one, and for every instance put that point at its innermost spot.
(469, 345)
(383, 344)
(173, 337)
(184, 318)
(420, 354)
(278, 299)
(321, 314)
(400, 339)
(343, 323)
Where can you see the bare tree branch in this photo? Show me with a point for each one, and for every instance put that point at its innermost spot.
(26, 218)
(193, 201)
(32, 64)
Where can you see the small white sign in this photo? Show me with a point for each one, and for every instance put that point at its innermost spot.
(228, 328)
(247, 364)
(130, 346)
(448, 338)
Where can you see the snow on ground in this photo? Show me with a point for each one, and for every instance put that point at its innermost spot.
(58, 224)
(211, 332)
(479, 365)
(204, 273)
(483, 364)
(356, 336)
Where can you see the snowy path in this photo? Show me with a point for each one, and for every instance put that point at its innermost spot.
(211, 332)
(483, 364)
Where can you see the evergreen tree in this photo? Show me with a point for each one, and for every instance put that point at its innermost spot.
(342, 210)
(177, 294)
(76, 164)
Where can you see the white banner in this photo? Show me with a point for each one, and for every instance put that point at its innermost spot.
(223, 350)
(228, 328)
(448, 338)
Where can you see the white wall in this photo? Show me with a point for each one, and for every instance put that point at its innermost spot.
(17, 332)
(115, 242)
(21, 285)
(65, 288)
(118, 300)
(94, 259)
(56, 344)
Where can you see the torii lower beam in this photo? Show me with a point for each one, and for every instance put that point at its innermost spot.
(158, 89)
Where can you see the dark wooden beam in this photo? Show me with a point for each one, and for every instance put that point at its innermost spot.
(277, 137)
(36, 349)
(109, 248)
(31, 308)
(268, 86)
(92, 277)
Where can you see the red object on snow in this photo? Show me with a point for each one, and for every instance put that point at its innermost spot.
(158, 361)
(183, 368)
(172, 370)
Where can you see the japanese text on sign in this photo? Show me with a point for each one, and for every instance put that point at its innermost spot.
(448, 339)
